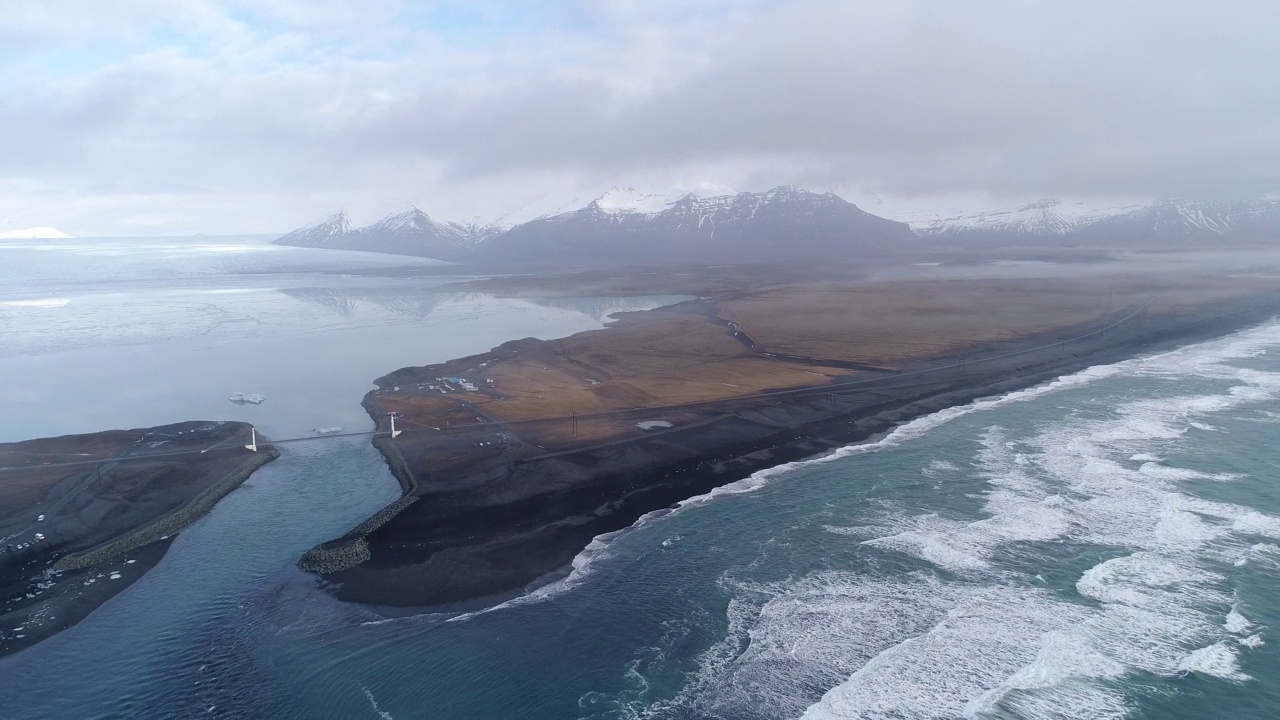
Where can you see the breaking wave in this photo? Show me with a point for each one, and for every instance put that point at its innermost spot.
(979, 635)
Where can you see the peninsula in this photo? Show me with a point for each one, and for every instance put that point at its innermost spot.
(84, 516)
(511, 461)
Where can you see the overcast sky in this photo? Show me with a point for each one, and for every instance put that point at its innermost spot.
(179, 116)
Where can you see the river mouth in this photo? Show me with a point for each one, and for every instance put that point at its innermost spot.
(178, 330)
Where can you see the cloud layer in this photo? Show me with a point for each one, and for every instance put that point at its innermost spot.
(149, 116)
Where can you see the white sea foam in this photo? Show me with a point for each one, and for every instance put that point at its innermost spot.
(1265, 554)
(373, 703)
(1165, 472)
(785, 637)
(996, 643)
(1156, 605)
(938, 467)
(1028, 653)
(1236, 622)
(1253, 641)
(1218, 660)
(1255, 523)
(580, 568)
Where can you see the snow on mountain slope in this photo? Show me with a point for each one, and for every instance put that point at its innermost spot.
(628, 225)
(615, 200)
(331, 232)
(782, 224)
(630, 200)
(1049, 216)
(413, 223)
(1158, 223)
(411, 232)
(542, 206)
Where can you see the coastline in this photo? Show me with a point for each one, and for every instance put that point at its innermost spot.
(483, 541)
(52, 584)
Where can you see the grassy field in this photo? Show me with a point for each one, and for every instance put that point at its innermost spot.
(805, 334)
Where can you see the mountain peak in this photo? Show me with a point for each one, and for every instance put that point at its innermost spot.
(326, 232)
(630, 200)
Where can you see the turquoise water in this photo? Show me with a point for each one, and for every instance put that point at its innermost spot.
(1106, 545)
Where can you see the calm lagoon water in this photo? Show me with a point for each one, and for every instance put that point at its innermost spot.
(1106, 545)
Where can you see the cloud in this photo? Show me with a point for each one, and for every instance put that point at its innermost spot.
(194, 115)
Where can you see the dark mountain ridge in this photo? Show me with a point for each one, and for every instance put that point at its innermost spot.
(780, 225)
(790, 224)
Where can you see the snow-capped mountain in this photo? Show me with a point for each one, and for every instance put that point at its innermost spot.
(1182, 223)
(1044, 217)
(1163, 223)
(787, 223)
(780, 225)
(332, 232)
(411, 232)
(630, 200)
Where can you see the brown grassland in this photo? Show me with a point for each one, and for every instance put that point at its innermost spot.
(789, 335)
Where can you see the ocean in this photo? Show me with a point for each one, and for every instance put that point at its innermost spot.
(1103, 545)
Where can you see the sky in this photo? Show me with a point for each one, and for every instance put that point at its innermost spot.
(147, 117)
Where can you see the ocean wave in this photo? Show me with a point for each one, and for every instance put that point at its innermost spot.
(991, 641)
(1236, 622)
(782, 638)
(1155, 606)
(1218, 660)
(1065, 483)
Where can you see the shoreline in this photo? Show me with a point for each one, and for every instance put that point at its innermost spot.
(459, 552)
(56, 582)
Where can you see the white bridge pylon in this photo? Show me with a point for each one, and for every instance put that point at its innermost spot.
(253, 444)
(394, 431)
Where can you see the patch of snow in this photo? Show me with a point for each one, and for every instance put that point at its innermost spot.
(1044, 217)
(629, 199)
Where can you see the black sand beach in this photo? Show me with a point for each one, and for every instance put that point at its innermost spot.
(472, 534)
(84, 516)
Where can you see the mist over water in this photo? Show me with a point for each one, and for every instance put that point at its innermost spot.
(1105, 545)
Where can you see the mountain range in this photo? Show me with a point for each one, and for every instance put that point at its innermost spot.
(410, 232)
(789, 224)
(1160, 224)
